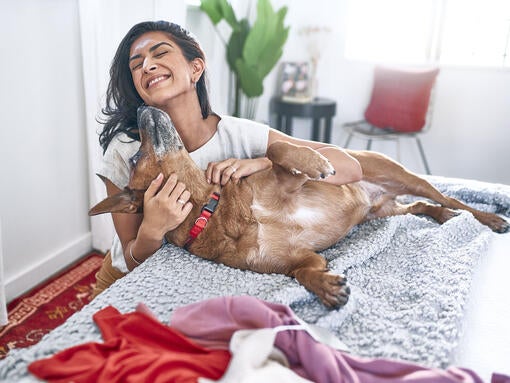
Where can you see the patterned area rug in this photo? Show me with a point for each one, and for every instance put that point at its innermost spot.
(47, 306)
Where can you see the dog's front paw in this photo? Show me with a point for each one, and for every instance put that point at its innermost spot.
(314, 165)
(300, 160)
(332, 289)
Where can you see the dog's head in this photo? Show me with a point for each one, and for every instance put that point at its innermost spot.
(160, 144)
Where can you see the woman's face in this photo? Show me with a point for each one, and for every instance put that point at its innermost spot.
(160, 71)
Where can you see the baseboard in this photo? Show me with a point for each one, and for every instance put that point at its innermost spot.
(48, 266)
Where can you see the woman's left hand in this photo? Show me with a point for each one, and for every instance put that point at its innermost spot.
(233, 169)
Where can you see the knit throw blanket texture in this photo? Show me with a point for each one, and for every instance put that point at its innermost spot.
(410, 279)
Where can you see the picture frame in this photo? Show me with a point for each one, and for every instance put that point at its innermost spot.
(295, 82)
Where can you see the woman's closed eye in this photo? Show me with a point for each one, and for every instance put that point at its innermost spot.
(139, 64)
(160, 54)
(136, 66)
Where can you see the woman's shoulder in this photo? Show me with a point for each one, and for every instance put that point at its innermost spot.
(230, 122)
(120, 150)
(122, 143)
(246, 138)
(115, 164)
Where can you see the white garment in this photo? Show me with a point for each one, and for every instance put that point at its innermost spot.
(255, 359)
(234, 138)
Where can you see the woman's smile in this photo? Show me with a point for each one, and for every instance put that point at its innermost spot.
(156, 80)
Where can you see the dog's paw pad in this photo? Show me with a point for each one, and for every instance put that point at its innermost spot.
(320, 169)
(336, 290)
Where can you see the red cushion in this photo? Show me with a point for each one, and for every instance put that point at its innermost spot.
(400, 98)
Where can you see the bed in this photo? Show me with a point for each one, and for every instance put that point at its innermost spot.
(421, 292)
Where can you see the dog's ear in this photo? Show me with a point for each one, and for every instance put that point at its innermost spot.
(127, 201)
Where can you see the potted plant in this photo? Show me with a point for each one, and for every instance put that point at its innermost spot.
(252, 50)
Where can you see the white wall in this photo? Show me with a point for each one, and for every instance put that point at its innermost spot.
(43, 199)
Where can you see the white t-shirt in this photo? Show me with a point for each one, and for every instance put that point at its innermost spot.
(234, 138)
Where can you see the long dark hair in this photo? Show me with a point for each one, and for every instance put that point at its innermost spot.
(122, 99)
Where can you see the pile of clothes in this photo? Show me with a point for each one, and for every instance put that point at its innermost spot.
(237, 339)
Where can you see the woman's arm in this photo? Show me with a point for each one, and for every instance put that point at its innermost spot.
(142, 234)
(347, 168)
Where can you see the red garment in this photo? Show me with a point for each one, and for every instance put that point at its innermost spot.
(137, 348)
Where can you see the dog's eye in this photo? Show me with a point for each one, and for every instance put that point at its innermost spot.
(133, 160)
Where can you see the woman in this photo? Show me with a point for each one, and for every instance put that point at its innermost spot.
(160, 64)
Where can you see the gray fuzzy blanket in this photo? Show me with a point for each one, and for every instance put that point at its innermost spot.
(410, 279)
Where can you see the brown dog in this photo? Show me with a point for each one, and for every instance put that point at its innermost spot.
(276, 220)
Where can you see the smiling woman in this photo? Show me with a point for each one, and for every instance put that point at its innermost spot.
(161, 74)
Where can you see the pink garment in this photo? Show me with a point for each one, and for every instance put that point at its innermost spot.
(212, 322)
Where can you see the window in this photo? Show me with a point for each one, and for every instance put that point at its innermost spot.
(455, 32)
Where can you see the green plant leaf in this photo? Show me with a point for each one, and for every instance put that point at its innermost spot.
(251, 83)
(274, 48)
(218, 10)
(236, 43)
(252, 51)
(213, 9)
(260, 33)
(264, 44)
(228, 14)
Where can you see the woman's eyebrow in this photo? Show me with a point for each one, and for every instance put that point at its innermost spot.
(151, 49)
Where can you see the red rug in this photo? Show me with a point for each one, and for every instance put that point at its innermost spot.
(47, 306)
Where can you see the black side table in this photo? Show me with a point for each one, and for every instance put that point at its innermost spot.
(317, 109)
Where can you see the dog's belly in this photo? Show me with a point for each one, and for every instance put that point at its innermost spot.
(314, 226)
(299, 228)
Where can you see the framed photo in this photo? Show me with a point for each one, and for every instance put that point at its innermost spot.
(295, 82)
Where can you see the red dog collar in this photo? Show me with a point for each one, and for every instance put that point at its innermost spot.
(202, 220)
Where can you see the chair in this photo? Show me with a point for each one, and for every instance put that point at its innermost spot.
(400, 106)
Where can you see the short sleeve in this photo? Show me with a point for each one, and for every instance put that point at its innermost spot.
(115, 164)
(115, 167)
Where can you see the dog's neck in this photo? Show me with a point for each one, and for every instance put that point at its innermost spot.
(194, 179)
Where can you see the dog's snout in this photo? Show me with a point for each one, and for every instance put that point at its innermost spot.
(147, 116)
(159, 130)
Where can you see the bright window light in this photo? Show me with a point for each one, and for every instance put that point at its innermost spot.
(476, 32)
(389, 30)
(454, 32)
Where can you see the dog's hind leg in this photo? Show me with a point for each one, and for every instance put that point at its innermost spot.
(294, 165)
(396, 179)
(310, 269)
(421, 187)
(389, 207)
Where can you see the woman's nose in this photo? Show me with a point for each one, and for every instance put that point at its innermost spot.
(148, 66)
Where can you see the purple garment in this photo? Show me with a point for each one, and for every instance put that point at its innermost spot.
(212, 322)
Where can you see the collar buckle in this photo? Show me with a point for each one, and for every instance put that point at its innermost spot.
(200, 223)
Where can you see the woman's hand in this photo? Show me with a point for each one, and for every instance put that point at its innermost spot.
(233, 169)
(165, 209)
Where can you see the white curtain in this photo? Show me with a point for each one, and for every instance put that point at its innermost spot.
(103, 24)
(3, 307)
